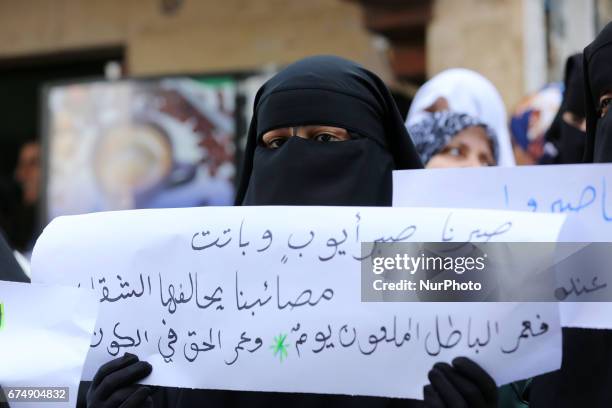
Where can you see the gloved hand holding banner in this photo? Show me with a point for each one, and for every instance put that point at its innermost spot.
(269, 298)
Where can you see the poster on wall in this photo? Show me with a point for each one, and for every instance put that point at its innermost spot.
(150, 143)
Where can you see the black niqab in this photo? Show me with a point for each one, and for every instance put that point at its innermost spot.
(598, 81)
(331, 91)
(573, 97)
(568, 140)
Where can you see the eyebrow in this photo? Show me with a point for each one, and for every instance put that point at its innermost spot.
(275, 132)
(604, 93)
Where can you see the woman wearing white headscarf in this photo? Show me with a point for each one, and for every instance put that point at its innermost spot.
(465, 91)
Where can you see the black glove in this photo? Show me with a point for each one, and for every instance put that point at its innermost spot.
(114, 385)
(464, 385)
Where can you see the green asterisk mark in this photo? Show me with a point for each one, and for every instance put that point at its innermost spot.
(1, 315)
(280, 347)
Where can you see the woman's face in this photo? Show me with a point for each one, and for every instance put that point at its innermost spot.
(274, 139)
(469, 148)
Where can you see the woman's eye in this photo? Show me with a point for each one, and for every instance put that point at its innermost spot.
(452, 151)
(604, 105)
(276, 143)
(326, 137)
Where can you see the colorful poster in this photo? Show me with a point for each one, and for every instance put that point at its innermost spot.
(130, 144)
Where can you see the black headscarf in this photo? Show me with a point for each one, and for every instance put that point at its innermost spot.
(597, 81)
(568, 141)
(573, 96)
(331, 91)
(572, 140)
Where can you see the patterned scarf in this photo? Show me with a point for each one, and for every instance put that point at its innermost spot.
(437, 129)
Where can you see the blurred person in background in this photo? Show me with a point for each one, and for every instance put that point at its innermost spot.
(464, 91)
(28, 175)
(446, 139)
(449, 139)
(585, 377)
(530, 121)
(338, 151)
(565, 139)
(27, 172)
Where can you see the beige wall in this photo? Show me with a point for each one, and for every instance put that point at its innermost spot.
(216, 35)
(483, 35)
(204, 35)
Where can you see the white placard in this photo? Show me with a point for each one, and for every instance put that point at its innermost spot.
(45, 333)
(582, 191)
(268, 298)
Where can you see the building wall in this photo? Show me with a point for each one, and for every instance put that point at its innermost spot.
(603, 10)
(483, 35)
(203, 35)
(572, 27)
(502, 39)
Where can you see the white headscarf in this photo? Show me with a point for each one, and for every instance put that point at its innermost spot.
(467, 92)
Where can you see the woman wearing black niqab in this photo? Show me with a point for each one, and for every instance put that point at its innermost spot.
(598, 88)
(585, 377)
(567, 134)
(325, 131)
(330, 91)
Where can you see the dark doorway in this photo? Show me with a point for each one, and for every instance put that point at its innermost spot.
(21, 80)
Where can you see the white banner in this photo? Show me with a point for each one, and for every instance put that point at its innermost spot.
(583, 192)
(268, 298)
